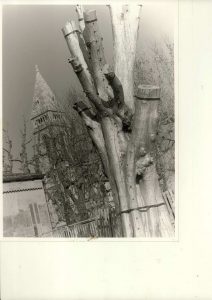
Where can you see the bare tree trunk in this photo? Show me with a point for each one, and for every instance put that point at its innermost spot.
(23, 154)
(8, 167)
(122, 126)
(125, 26)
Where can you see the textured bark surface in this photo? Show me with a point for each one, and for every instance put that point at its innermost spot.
(125, 26)
(123, 127)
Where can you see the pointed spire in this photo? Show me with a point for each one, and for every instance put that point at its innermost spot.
(43, 99)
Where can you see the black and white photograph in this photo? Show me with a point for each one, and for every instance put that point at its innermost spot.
(106, 147)
(89, 120)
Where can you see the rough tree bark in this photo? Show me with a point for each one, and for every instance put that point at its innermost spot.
(23, 154)
(8, 166)
(122, 127)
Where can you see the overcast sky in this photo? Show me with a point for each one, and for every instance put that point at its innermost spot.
(32, 35)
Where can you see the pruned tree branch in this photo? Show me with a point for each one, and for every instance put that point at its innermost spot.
(80, 107)
(88, 87)
(70, 34)
(94, 43)
(116, 85)
(124, 128)
(80, 13)
(95, 131)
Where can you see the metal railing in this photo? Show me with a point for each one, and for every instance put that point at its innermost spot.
(99, 226)
(103, 222)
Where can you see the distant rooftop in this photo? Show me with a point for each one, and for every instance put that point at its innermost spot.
(22, 177)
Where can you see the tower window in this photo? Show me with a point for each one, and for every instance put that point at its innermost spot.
(56, 116)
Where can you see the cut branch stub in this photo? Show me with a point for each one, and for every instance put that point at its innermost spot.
(77, 67)
(142, 116)
(70, 34)
(81, 107)
(90, 16)
(143, 163)
(80, 11)
(119, 106)
(80, 67)
(140, 142)
(88, 88)
(150, 94)
(115, 84)
(94, 43)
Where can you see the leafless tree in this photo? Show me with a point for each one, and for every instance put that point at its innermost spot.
(122, 127)
(7, 153)
(23, 154)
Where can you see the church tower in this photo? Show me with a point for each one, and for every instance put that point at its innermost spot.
(68, 162)
(47, 119)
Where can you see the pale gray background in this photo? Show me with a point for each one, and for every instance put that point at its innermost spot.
(32, 35)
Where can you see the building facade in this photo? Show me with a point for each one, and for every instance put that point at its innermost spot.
(26, 213)
(67, 159)
(47, 120)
